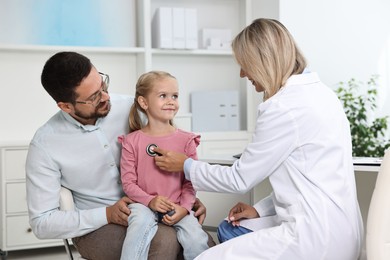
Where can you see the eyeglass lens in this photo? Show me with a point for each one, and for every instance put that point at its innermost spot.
(104, 87)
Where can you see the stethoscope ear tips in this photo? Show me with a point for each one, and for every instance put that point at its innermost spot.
(150, 150)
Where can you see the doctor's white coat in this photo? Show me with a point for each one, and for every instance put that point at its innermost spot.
(302, 143)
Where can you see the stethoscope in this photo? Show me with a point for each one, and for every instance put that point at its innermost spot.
(150, 150)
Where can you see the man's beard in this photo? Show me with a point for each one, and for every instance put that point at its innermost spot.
(96, 114)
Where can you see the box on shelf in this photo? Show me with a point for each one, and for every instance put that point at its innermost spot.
(215, 39)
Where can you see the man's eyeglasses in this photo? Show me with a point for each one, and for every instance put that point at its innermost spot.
(96, 98)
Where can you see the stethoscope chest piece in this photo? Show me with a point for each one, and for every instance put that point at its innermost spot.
(150, 150)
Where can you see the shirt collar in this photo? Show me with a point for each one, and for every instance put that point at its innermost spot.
(87, 128)
(303, 79)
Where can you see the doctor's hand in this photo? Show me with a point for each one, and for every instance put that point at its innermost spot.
(241, 211)
(169, 161)
(119, 212)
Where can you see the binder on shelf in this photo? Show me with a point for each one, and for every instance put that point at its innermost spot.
(162, 31)
(191, 28)
(178, 23)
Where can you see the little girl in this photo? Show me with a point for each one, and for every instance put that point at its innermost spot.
(159, 196)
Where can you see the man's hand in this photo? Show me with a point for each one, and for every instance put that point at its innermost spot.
(169, 161)
(241, 211)
(200, 211)
(119, 212)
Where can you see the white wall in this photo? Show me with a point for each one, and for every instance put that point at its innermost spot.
(25, 105)
(340, 38)
(343, 39)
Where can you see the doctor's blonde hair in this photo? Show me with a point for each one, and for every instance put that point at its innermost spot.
(267, 52)
(143, 87)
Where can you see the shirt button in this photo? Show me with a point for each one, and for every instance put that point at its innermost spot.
(119, 182)
(106, 146)
(112, 164)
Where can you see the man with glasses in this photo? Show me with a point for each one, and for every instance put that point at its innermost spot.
(78, 149)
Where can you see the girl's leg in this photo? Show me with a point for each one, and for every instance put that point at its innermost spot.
(191, 236)
(141, 230)
(227, 231)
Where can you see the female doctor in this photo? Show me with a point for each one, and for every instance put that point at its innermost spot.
(302, 143)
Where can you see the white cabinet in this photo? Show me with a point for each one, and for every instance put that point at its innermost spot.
(15, 229)
(225, 144)
(196, 69)
(202, 69)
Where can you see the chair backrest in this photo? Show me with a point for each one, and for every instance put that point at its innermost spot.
(378, 220)
(67, 203)
(66, 199)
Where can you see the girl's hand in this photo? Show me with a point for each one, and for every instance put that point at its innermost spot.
(180, 213)
(161, 204)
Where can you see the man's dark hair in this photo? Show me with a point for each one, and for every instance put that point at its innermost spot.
(62, 73)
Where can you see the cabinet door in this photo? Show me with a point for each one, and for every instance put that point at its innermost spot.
(15, 160)
(20, 235)
(222, 143)
(221, 147)
(16, 201)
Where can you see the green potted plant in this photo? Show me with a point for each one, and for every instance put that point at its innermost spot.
(368, 132)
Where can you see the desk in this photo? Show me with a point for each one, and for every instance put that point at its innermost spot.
(359, 164)
(219, 204)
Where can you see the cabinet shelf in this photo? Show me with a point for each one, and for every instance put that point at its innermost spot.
(56, 48)
(197, 52)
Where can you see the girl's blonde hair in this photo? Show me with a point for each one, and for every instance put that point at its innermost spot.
(267, 52)
(143, 87)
